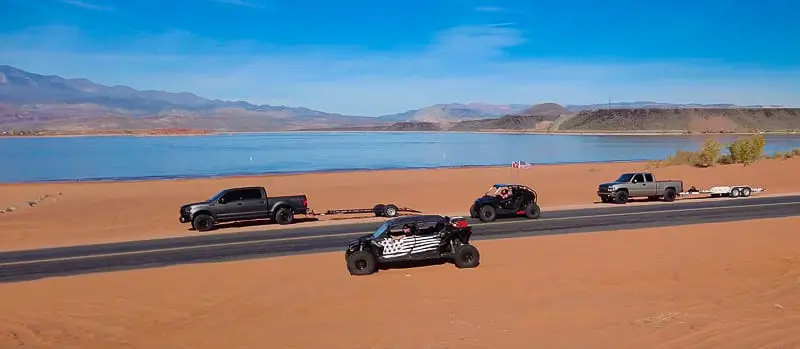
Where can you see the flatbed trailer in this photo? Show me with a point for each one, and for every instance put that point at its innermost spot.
(732, 191)
(380, 210)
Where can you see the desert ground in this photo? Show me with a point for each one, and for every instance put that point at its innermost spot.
(725, 285)
(83, 213)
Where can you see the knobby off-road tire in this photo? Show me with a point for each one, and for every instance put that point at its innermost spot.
(203, 222)
(473, 211)
(361, 263)
(532, 211)
(466, 256)
(487, 213)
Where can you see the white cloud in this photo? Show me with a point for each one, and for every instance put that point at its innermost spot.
(462, 64)
(242, 3)
(489, 9)
(86, 5)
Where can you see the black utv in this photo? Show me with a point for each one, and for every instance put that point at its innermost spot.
(413, 238)
(506, 200)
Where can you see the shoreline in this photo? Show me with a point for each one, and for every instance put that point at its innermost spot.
(300, 173)
(77, 213)
(648, 133)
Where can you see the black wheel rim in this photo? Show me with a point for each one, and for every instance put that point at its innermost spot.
(361, 264)
(468, 257)
(284, 215)
(203, 223)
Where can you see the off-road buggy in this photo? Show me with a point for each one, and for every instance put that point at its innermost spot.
(506, 200)
(413, 238)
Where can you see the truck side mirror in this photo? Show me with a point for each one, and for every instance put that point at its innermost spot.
(221, 200)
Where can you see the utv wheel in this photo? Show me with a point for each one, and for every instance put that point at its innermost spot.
(390, 210)
(361, 263)
(203, 222)
(670, 195)
(466, 256)
(284, 215)
(621, 197)
(473, 211)
(532, 211)
(487, 213)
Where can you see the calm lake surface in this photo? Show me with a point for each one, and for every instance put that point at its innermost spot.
(124, 157)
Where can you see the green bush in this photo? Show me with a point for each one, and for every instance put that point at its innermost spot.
(747, 150)
(707, 156)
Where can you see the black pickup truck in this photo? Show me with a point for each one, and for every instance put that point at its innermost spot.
(239, 204)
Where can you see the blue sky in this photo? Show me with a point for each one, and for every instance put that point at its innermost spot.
(379, 57)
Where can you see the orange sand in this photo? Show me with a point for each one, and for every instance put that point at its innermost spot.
(731, 285)
(103, 212)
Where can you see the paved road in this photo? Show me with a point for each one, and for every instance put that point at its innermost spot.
(64, 261)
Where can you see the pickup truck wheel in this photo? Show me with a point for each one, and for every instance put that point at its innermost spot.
(203, 222)
(621, 197)
(361, 263)
(284, 215)
(532, 211)
(466, 256)
(669, 195)
(487, 213)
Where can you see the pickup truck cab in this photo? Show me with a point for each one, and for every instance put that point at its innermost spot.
(245, 203)
(639, 184)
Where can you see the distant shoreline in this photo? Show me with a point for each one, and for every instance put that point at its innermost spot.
(510, 132)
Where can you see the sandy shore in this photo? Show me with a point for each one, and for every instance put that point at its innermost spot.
(728, 285)
(82, 213)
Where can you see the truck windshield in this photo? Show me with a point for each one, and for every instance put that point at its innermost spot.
(378, 232)
(625, 178)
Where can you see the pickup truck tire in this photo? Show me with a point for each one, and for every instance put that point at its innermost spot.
(532, 211)
(466, 256)
(284, 215)
(203, 222)
(621, 197)
(487, 213)
(361, 263)
(670, 195)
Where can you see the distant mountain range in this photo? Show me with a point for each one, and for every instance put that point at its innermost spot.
(33, 101)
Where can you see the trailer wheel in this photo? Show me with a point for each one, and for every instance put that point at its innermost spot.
(735, 193)
(390, 210)
(378, 210)
(746, 192)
